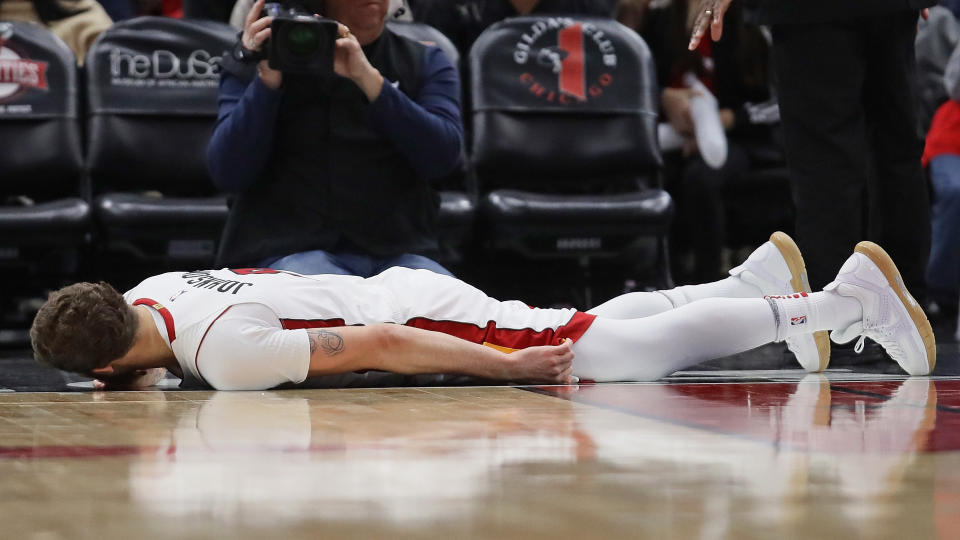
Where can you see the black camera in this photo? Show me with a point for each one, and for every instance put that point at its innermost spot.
(300, 42)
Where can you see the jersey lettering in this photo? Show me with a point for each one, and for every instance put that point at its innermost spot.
(203, 280)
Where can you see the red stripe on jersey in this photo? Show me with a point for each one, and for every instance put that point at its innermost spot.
(164, 312)
(295, 324)
(507, 337)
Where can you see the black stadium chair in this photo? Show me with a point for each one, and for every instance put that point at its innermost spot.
(457, 203)
(44, 221)
(565, 148)
(152, 89)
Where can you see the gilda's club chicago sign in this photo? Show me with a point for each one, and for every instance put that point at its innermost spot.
(565, 48)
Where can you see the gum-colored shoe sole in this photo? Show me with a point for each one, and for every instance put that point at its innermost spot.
(798, 280)
(886, 265)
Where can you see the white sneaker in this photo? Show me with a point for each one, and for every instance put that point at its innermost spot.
(891, 317)
(777, 269)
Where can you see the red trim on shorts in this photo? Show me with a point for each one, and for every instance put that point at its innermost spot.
(164, 312)
(508, 337)
(501, 337)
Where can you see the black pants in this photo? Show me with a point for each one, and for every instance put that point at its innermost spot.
(701, 220)
(847, 100)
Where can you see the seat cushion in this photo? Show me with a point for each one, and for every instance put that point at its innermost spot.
(59, 222)
(457, 209)
(134, 215)
(548, 225)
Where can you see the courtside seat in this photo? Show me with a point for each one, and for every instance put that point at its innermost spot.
(458, 206)
(564, 142)
(152, 89)
(541, 225)
(427, 35)
(44, 219)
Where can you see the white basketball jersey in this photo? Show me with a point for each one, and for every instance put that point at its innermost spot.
(190, 302)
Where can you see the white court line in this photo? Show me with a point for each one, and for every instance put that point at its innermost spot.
(4, 390)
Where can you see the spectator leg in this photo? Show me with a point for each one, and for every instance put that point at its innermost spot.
(820, 72)
(899, 218)
(311, 263)
(943, 273)
(417, 262)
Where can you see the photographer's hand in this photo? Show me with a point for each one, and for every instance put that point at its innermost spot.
(255, 32)
(350, 62)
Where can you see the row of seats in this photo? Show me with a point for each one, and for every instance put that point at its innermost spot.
(563, 162)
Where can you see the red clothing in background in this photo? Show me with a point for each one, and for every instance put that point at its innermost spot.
(172, 8)
(944, 134)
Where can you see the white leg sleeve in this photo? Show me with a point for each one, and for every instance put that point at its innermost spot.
(634, 305)
(644, 304)
(649, 348)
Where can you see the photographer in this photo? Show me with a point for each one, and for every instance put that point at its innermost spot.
(332, 171)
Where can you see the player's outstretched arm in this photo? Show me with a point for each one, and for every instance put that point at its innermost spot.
(411, 351)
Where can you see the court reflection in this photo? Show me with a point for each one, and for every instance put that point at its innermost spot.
(770, 449)
(705, 458)
(403, 455)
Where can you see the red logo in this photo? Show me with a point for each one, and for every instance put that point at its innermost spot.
(797, 321)
(18, 74)
(788, 297)
(567, 59)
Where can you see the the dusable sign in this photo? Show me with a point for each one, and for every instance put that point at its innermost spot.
(157, 66)
(163, 68)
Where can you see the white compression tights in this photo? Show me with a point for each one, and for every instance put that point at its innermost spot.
(644, 304)
(657, 343)
(649, 348)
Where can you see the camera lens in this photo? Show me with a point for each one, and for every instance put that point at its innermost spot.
(302, 40)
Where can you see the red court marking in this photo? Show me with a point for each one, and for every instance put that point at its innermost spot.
(855, 417)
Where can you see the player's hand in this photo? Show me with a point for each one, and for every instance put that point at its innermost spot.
(350, 62)
(552, 364)
(710, 14)
(256, 31)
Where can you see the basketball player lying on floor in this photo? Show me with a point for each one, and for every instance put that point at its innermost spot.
(254, 329)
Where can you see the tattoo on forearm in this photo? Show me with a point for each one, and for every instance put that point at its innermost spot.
(330, 342)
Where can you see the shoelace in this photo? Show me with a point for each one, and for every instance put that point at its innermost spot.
(892, 347)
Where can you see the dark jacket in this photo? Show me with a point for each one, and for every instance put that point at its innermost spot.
(814, 11)
(316, 166)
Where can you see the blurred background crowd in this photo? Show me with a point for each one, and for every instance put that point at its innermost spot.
(720, 209)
